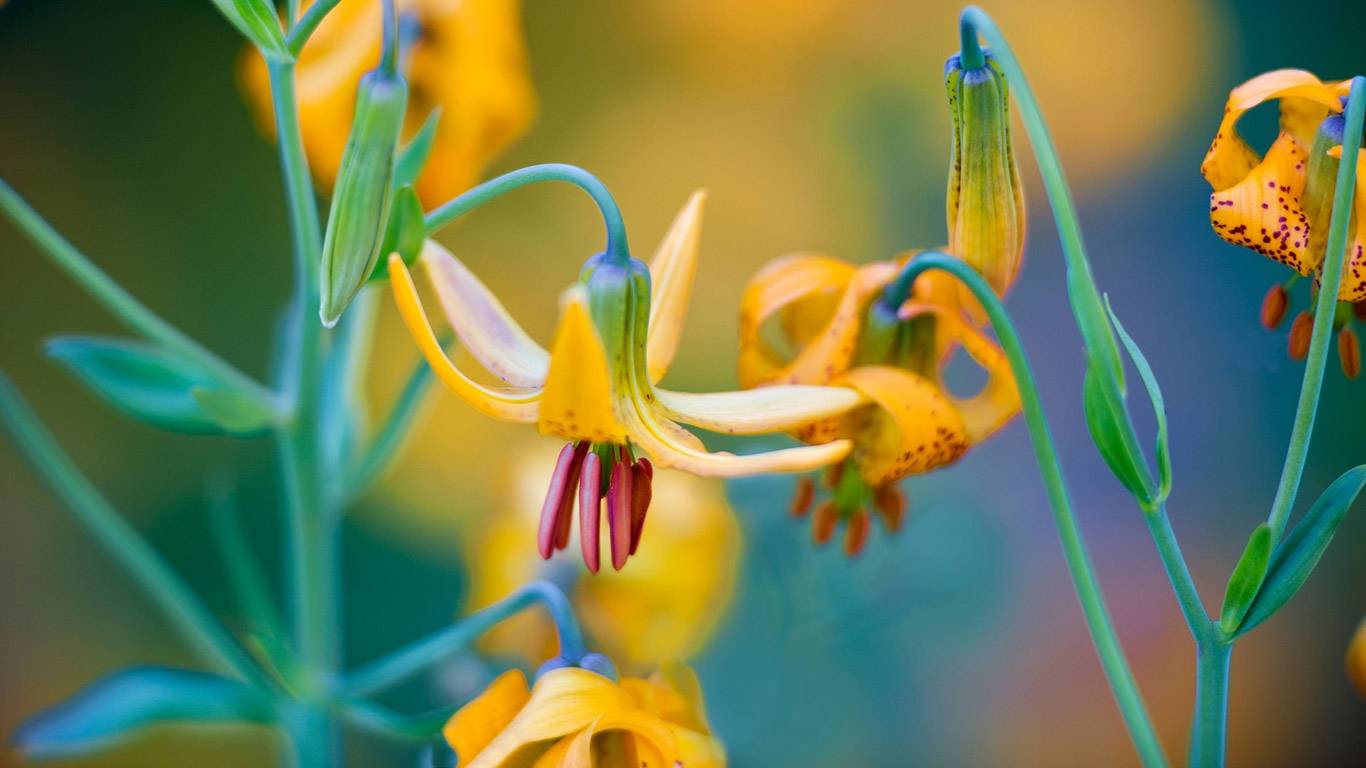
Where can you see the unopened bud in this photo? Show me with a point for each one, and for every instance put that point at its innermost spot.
(360, 199)
(986, 214)
(1300, 332)
(1349, 352)
(1274, 305)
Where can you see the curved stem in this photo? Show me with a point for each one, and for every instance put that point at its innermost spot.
(1298, 449)
(389, 439)
(122, 541)
(1098, 621)
(307, 24)
(535, 174)
(412, 659)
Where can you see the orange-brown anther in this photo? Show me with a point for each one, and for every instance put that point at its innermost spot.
(890, 504)
(1359, 310)
(1349, 352)
(1274, 307)
(1300, 331)
(802, 497)
(856, 533)
(827, 515)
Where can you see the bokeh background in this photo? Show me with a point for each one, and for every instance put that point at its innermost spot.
(817, 125)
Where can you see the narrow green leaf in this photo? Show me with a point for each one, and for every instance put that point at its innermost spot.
(235, 412)
(133, 699)
(257, 22)
(412, 158)
(1162, 450)
(1296, 557)
(1107, 422)
(1246, 579)
(404, 234)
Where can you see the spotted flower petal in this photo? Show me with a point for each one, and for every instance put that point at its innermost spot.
(913, 428)
(671, 274)
(804, 290)
(997, 402)
(508, 404)
(1262, 211)
(1229, 158)
(577, 403)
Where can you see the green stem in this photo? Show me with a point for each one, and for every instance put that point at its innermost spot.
(114, 297)
(1187, 595)
(1209, 730)
(1098, 621)
(307, 24)
(414, 658)
(122, 541)
(389, 439)
(1335, 254)
(535, 174)
(312, 523)
(388, 60)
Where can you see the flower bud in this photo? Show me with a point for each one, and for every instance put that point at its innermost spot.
(1349, 352)
(1274, 306)
(986, 215)
(360, 198)
(1300, 331)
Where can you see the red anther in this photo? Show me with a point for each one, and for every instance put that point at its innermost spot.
(1349, 352)
(1300, 332)
(619, 500)
(552, 509)
(856, 533)
(1274, 305)
(566, 514)
(802, 497)
(890, 504)
(834, 474)
(823, 528)
(590, 510)
(642, 490)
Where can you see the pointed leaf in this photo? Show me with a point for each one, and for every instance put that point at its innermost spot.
(1296, 557)
(404, 234)
(235, 412)
(1162, 450)
(413, 156)
(257, 22)
(130, 700)
(1106, 419)
(1246, 579)
(148, 382)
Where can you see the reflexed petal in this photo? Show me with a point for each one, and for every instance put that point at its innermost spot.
(576, 403)
(498, 402)
(804, 283)
(476, 724)
(671, 278)
(913, 428)
(999, 400)
(1354, 276)
(1262, 211)
(484, 327)
(563, 701)
(698, 750)
(653, 740)
(1280, 84)
(757, 411)
(1229, 158)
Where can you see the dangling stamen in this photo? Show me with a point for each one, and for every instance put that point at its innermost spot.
(619, 499)
(890, 505)
(1274, 306)
(1349, 352)
(823, 528)
(802, 497)
(558, 507)
(856, 533)
(642, 490)
(1300, 332)
(590, 510)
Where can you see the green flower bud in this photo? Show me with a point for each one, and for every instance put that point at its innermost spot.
(986, 214)
(360, 199)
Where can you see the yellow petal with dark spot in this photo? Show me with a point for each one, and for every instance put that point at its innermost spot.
(1263, 212)
(805, 288)
(577, 403)
(910, 428)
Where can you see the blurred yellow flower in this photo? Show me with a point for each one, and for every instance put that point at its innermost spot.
(574, 718)
(659, 611)
(1356, 658)
(837, 328)
(596, 388)
(465, 58)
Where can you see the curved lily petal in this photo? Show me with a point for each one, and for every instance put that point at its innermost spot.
(518, 405)
(779, 285)
(832, 350)
(1262, 211)
(484, 327)
(653, 742)
(564, 701)
(476, 724)
(913, 429)
(1229, 158)
(671, 278)
(576, 403)
(999, 400)
(698, 750)
(757, 411)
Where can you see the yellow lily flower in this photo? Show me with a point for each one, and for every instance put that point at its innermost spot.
(660, 611)
(1279, 204)
(574, 718)
(1356, 658)
(463, 57)
(838, 331)
(597, 386)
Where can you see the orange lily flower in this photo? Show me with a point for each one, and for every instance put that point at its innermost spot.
(839, 330)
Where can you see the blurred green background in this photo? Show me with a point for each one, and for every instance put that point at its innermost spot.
(816, 125)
